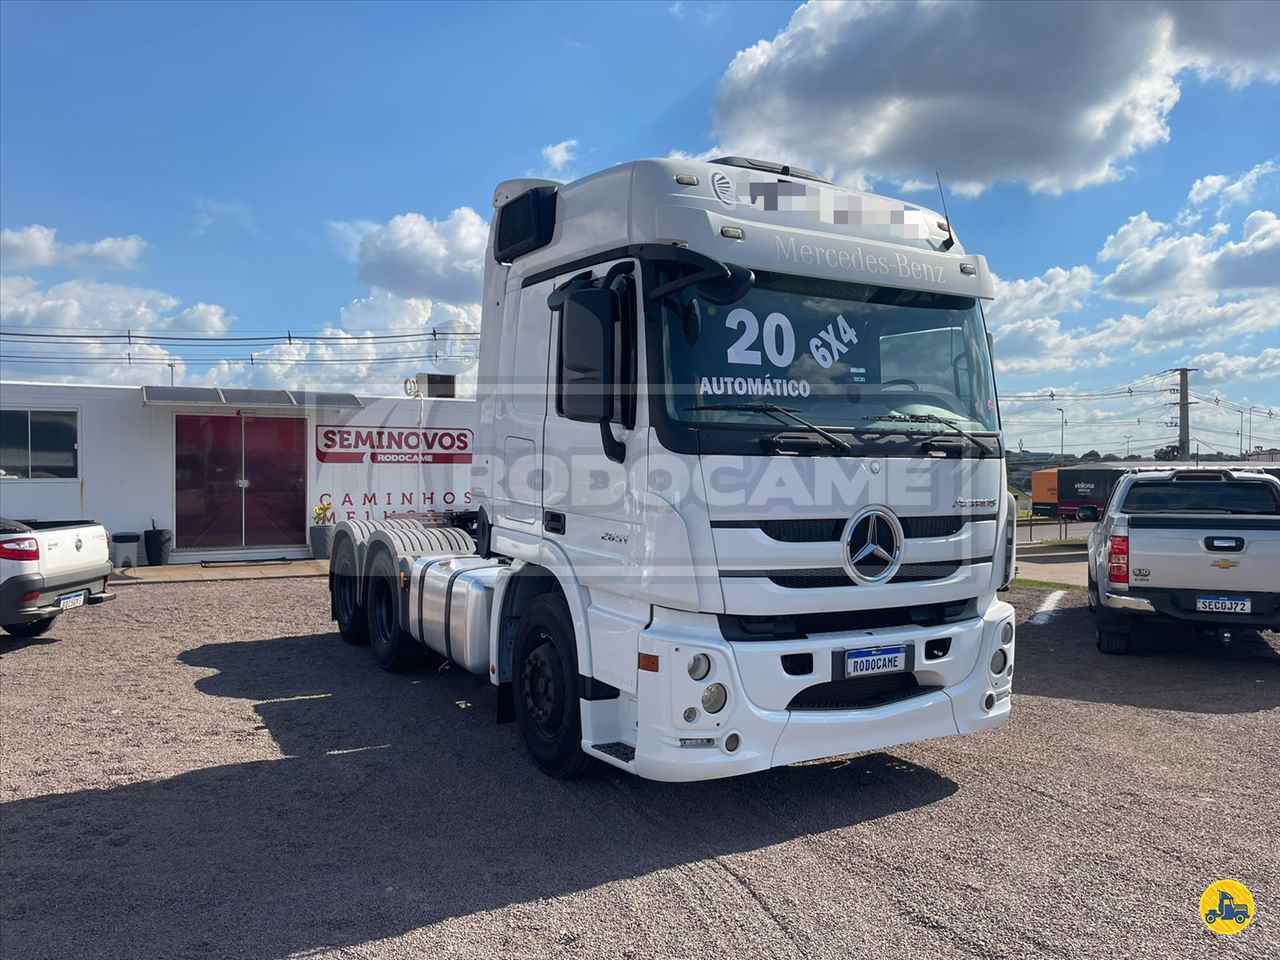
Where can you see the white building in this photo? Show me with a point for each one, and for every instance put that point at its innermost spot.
(235, 474)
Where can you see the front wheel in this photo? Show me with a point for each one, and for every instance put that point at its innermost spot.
(32, 628)
(545, 689)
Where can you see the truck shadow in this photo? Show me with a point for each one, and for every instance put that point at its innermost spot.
(1170, 668)
(401, 804)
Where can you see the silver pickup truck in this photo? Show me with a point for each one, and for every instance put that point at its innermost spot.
(1201, 547)
(47, 568)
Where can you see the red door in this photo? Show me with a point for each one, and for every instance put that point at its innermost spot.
(240, 482)
(208, 455)
(275, 471)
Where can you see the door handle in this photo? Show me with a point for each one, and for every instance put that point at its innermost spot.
(1224, 544)
(552, 521)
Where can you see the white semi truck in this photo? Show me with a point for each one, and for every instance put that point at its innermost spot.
(738, 486)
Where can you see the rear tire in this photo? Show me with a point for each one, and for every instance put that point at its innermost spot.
(347, 608)
(545, 689)
(1112, 641)
(393, 648)
(32, 628)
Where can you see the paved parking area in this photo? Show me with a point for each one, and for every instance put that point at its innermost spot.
(205, 770)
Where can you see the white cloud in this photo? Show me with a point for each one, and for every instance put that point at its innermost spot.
(38, 246)
(1231, 193)
(1055, 291)
(558, 156)
(893, 91)
(91, 306)
(1170, 264)
(88, 306)
(1136, 233)
(413, 256)
(360, 365)
(1221, 366)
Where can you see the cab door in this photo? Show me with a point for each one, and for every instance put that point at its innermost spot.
(589, 507)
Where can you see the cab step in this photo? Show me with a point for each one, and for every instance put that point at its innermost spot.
(618, 750)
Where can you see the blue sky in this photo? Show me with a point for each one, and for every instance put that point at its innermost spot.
(252, 168)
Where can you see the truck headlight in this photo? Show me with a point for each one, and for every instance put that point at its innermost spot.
(699, 666)
(714, 698)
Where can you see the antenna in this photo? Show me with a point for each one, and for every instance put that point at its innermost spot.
(950, 242)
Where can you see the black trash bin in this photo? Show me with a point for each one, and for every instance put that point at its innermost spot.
(159, 546)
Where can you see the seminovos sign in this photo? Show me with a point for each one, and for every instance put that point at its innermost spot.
(392, 445)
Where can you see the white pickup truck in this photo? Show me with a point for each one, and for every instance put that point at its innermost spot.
(49, 567)
(1200, 547)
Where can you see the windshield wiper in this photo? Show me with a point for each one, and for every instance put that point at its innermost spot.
(934, 418)
(778, 413)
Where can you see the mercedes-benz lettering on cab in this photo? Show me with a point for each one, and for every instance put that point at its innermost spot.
(740, 487)
(1196, 547)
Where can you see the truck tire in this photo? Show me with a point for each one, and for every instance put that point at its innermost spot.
(32, 628)
(545, 689)
(1113, 640)
(393, 648)
(347, 608)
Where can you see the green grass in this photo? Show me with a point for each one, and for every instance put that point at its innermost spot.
(1045, 585)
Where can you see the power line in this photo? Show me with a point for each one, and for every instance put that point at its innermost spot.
(250, 359)
(23, 336)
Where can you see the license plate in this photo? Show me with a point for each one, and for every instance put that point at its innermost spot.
(69, 601)
(1224, 605)
(873, 660)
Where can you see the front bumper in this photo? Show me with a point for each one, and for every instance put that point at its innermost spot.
(14, 609)
(957, 694)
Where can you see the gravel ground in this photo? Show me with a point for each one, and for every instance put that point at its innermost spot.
(205, 770)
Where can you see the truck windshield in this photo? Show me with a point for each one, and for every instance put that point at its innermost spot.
(842, 355)
(1177, 496)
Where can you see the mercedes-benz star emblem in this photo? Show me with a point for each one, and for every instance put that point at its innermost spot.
(873, 545)
(79, 544)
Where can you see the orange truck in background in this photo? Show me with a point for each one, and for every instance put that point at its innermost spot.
(1044, 493)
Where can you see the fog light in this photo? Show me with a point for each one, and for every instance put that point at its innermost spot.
(1006, 635)
(714, 698)
(999, 660)
(699, 666)
(732, 742)
(989, 701)
(690, 714)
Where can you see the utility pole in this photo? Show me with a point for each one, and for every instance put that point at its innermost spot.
(1127, 438)
(1241, 434)
(1184, 413)
(1062, 437)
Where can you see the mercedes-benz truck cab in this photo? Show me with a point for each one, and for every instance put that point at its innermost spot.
(740, 486)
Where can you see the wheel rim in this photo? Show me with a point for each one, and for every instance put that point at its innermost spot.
(543, 688)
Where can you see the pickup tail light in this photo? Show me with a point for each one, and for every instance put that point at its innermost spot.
(20, 548)
(1118, 560)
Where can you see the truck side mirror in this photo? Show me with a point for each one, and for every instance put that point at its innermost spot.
(585, 379)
